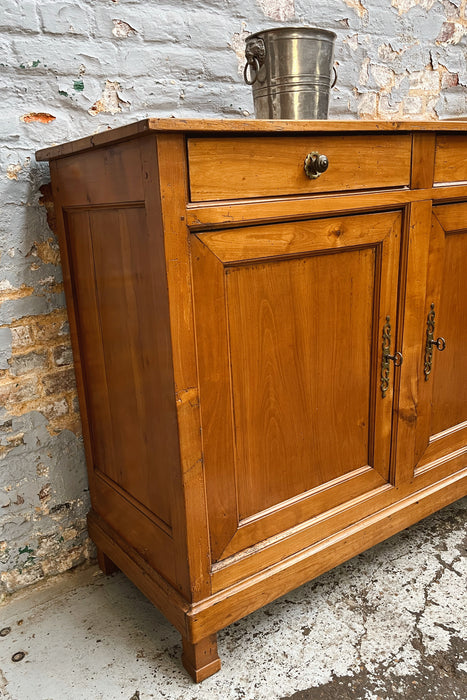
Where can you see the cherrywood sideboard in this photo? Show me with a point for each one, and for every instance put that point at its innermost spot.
(271, 362)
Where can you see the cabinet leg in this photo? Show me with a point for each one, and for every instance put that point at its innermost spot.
(201, 660)
(106, 565)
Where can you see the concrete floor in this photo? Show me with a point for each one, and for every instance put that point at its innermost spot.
(389, 624)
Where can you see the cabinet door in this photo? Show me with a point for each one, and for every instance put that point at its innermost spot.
(289, 323)
(433, 414)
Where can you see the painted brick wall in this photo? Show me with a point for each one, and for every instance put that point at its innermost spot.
(69, 69)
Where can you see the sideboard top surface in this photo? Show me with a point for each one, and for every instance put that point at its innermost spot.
(263, 126)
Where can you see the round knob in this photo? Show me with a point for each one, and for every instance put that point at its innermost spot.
(315, 164)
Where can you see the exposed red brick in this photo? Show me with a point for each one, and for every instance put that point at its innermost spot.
(446, 33)
(449, 80)
(42, 117)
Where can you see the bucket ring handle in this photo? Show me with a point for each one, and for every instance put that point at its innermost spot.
(253, 64)
(335, 76)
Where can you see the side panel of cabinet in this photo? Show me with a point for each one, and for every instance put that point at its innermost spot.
(433, 417)
(111, 241)
(125, 363)
(289, 322)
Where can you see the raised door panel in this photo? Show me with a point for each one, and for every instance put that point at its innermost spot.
(438, 434)
(289, 322)
(443, 442)
(121, 308)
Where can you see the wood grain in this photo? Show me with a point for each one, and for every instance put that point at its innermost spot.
(289, 369)
(437, 405)
(451, 158)
(231, 213)
(130, 131)
(423, 160)
(410, 409)
(191, 497)
(201, 659)
(215, 394)
(112, 176)
(275, 165)
(450, 367)
(154, 586)
(240, 599)
(300, 413)
(294, 238)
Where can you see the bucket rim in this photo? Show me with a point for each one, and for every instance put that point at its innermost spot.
(328, 33)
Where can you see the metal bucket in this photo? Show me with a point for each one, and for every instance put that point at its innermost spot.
(290, 71)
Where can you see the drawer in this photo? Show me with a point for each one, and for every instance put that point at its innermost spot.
(451, 158)
(265, 166)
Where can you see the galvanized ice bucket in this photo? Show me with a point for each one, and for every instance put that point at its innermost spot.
(290, 70)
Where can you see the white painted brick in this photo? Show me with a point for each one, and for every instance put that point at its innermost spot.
(131, 14)
(65, 55)
(65, 18)
(19, 16)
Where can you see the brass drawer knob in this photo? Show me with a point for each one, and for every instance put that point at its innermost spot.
(315, 164)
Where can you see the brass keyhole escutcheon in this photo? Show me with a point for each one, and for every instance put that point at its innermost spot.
(386, 357)
(439, 343)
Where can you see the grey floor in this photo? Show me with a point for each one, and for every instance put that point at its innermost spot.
(389, 624)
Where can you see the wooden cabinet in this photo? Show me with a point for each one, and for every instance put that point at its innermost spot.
(271, 367)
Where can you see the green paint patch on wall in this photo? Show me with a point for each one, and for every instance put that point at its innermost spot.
(78, 85)
(31, 64)
(25, 550)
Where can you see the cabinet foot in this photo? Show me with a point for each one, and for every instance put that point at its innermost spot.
(105, 564)
(201, 660)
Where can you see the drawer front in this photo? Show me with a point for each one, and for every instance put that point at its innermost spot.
(265, 166)
(451, 158)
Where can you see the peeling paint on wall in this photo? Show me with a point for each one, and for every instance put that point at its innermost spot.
(238, 45)
(278, 9)
(403, 6)
(359, 8)
(12, 170)
(42, 117)
(451, 33)
(110, 102)
(121, 29)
